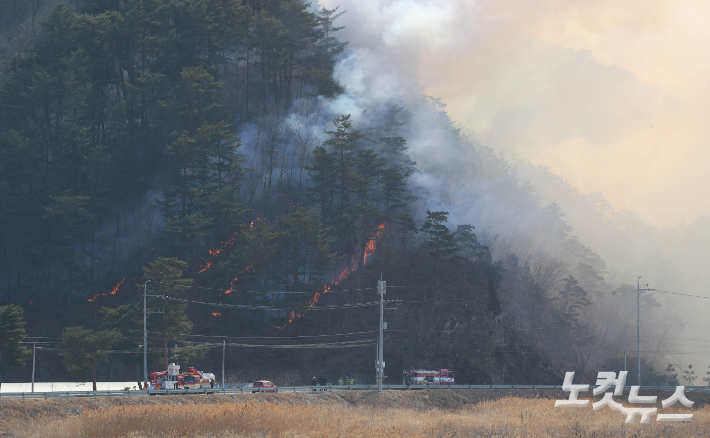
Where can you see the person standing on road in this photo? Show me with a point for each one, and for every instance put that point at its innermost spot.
(314, 382)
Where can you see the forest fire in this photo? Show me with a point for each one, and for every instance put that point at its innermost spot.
(214, 252)
(369, 250)
(372, 244)
(113, 291)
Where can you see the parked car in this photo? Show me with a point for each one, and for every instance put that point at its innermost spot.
(263, 386)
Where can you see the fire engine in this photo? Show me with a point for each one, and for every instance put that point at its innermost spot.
(429, 377)
(172, 379)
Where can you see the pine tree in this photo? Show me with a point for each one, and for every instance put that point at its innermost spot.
(326, 51)
(406, 228)
(493, 303)
(305, 246)
(73, 225)
(12, 333)
(689, 375)
(128, 320)
(343, 143)
(166, 275)
(83, 349)
(440, 241)
(321, 169)
(572, 299)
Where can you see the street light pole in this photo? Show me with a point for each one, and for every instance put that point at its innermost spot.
(381, 290)
(638, 328)
(145, 332)
(34, 350)
(638, 323)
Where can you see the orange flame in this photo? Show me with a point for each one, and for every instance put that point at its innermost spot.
(214, 252)
(113, 291)
(369, 250)
(372, 244)
(216, 314)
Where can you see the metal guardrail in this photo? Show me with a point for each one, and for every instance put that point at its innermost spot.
(297, 389)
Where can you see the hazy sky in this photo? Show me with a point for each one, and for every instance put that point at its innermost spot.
(613, 96)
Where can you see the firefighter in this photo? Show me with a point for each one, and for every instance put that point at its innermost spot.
(340, 381)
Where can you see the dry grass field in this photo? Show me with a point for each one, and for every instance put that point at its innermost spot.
(504, 417)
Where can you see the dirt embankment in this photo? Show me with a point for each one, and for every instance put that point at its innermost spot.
(417, 400)
(18, 412)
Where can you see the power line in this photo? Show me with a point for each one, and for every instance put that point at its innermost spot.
(276, 337)
(346, 344)
(438, 302)
(280, 309)
(273, 292)
(429, 286)
(680, 339)
(125, 315)
(41, 342)
(678, 281)
(683, 295)
(342, 344)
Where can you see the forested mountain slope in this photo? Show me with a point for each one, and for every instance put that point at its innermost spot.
(207, 146)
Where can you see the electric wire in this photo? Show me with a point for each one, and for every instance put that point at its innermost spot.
(280, 309)
(274, 292)
(276, 337)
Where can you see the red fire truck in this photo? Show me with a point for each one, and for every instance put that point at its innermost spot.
(173, 379)
(429, 377)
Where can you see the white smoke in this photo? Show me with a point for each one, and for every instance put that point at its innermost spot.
(399, 48)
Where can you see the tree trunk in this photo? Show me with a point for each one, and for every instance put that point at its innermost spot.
(93, 373)
(138, 376)
(59, 281)
(247, 84)
(71, 276)
(19, 264)
(93, 240)
(165, 352)
(7, 254)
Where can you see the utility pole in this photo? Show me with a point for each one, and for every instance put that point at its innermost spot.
(224, 345)
(624, 359)
(638, 328)
(145, 332)
(34, 349)
(381, 291)
(638, 323)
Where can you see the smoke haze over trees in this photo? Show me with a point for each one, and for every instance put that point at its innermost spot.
(242, 158)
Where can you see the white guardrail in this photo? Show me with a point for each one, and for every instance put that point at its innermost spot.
(299, 389)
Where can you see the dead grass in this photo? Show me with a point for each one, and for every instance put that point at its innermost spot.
(506, 417)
